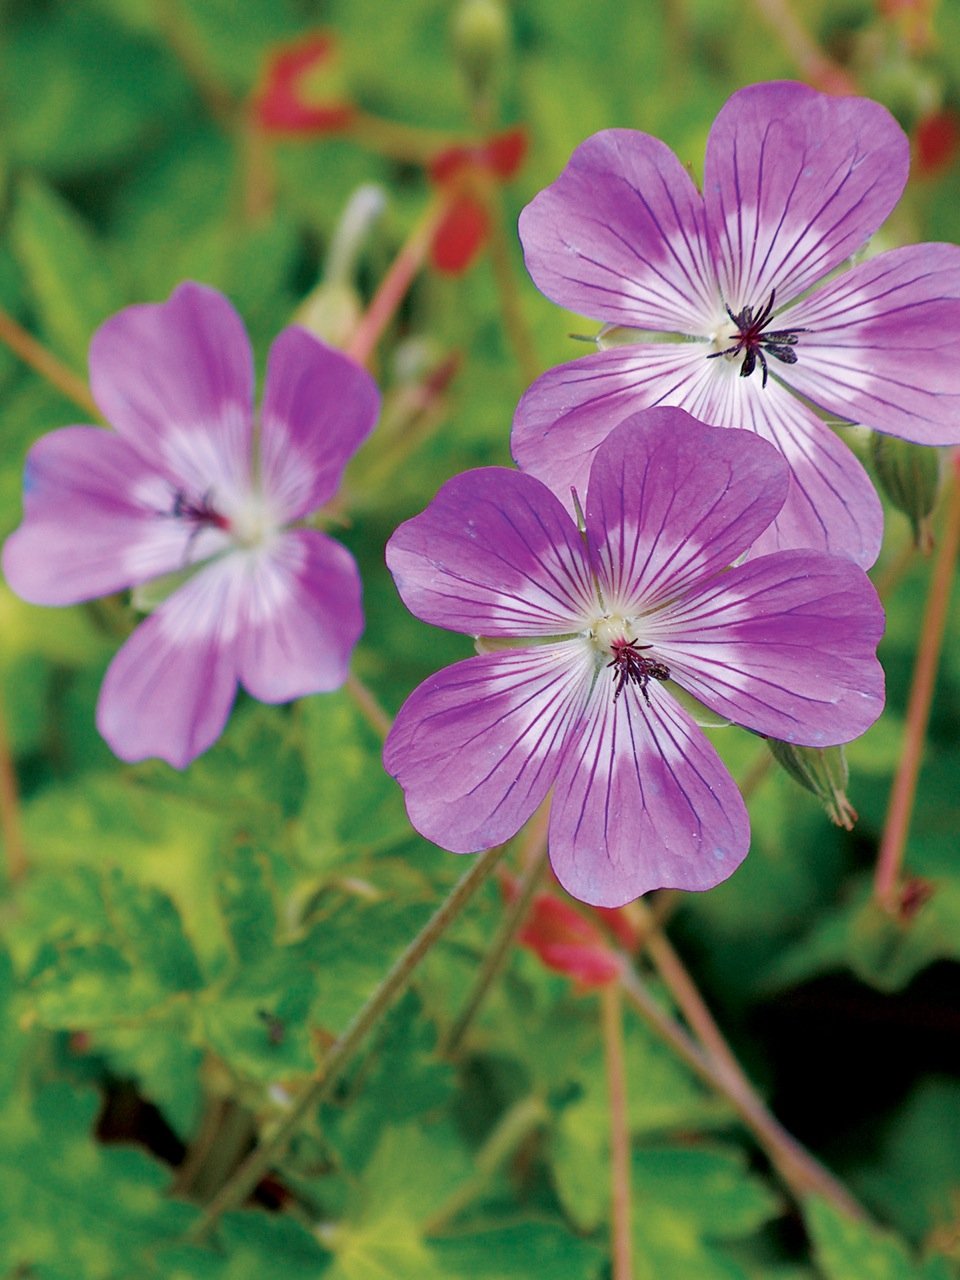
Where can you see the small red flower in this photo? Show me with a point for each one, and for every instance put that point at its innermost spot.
(565, 940)
(466, 173)
(937, 138)
(298, 94)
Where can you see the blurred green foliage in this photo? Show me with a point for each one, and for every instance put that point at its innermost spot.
(203, 938)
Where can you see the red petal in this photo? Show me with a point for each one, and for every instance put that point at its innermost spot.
(448, 163)
(505, 153)
(279, 105)
(460, 236)
(937, 137)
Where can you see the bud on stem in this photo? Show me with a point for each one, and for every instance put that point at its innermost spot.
(909, 474)
(822, 771)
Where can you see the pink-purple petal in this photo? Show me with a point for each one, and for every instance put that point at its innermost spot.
(169, 690)
(301, 617)
(642, 801)
(494, 554)
(795, 182)
(568, 411)
(176, 380)
(831, 503)
(97, 519)
(620, 236)
(880, 344)
(672, 501)
(477, 746)
(784, 645)
(318, 407)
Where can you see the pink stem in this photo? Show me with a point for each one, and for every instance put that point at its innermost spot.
(886, 884)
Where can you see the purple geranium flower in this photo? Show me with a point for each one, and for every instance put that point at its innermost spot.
(795, 182)
(187, 480)
(783, 644)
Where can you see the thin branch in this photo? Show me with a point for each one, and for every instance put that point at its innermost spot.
(368, 705)
(395, 283)
(886, 886)
(45, 363)
(242, 1182)
(800, 1170)
(10, 808)
(535, 863)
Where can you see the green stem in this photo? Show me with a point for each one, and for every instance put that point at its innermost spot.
(518, 332)
(509, 927)
(368, 706)
(242, 1182)
(511, 1130)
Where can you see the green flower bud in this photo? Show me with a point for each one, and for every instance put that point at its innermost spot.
(909, 474)
(822, 771)
(481, 35)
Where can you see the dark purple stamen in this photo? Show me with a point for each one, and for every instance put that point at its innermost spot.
(197, 511)
(756, 344)
(629, 665)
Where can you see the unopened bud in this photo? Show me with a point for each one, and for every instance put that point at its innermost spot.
(481, 34)
(909, 474)
(823, 772)
(331, 312)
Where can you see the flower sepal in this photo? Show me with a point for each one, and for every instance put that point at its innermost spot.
(822, 771)
(910, 475)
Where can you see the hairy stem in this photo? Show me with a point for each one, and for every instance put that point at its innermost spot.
(800, 1170)
(242, 1182)
(886, 884)
(45, 363)
(611, 1011)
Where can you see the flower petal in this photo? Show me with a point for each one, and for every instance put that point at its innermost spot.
(620, 236)
(169, 690)
(642, 801)
(831, 503)
(672, 501)
(881, 342)
(476, 746)
(493, 554)
(97, 518)
(176, 379)
(302, 617)
(568, 411)
(796, 181)
(318, 406)
(785, 645)
(565, 415)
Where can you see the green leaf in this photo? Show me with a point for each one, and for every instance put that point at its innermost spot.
(912, 1177)
(351, 805)
(529, 1247)
(70, 284)
(81, 90)
(71, 1207)
(848, 1250)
